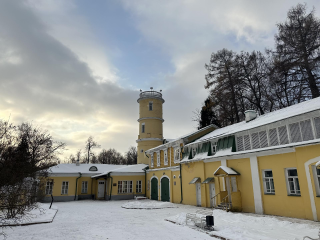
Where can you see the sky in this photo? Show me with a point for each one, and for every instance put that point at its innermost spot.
(75, 67)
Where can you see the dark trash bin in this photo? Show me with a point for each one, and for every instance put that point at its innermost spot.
(209, 221)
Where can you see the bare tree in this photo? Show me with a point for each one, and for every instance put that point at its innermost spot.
(26, 154)
(131, 156)
(298, 48)
(90, 144)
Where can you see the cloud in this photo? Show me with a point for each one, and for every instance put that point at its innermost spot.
(44, 81)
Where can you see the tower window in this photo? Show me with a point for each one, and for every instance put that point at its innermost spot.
(143, 128)
(150, 106)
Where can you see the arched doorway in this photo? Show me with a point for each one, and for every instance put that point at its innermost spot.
(154, 189)
(165, 191)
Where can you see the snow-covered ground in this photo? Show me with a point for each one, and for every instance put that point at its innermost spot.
(41, 214)
(109, 220)
(148, 204)
(241, 226)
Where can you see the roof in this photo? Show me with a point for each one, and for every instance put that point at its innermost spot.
(182, 137)
(225, 170)
(82, 168)
(294, 110)
(136, 168)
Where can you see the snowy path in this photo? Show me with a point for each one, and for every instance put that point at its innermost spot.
(108, 220)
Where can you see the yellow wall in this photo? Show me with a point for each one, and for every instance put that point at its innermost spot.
(145, 145)
(280, 203)
(132, 178)
(188, 172)
(144, 108)
(57, 185)
(243, 167)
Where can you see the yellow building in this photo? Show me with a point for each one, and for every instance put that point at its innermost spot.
(150, 122)
(70, 182)
(263, 165)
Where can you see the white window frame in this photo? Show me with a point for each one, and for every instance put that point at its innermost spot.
(124, 187)
(150, 105)
(152, 160)
(176, 155)
(316, 178)
(139, 186)
(84, 187)
(49, 187)
(269, 180)
(158, 159)
(296, 191)
(165, 156)
(65, 188)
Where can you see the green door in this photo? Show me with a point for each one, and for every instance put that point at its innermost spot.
(154, 189)
(165, 194)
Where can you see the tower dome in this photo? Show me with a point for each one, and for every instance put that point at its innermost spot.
(150, 122)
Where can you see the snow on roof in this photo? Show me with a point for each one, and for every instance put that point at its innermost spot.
(82, 168)
(227, 170)
(136, 168)
(184, 136)
(294, 110)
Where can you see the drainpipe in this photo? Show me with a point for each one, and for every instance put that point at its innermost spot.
(111, 185)
(181, 184)
(145, 180)
(75, 195)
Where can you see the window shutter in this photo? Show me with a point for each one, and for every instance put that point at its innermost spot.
(317, 126)
(263, 139)
(283, 135)
(255, 140)
(306, 130)
(295, 132)
(247, 145)
(273, 137)
(240, 143)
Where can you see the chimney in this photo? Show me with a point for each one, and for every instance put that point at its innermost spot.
(78, 162)
(250, 115)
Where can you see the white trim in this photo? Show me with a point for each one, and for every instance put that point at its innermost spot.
(158, 158)
(169, 187)
(223, 163)
(173, 168)
(311, 195)
(257, 153)
(148, 139)
(126, 174)
(151, 186)
(256, 185)
(144, 118)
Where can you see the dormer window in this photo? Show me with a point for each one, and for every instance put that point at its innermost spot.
(150, 106)
(194, 152)
(214, 148)
(93, 169)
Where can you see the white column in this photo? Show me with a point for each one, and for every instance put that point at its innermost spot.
(224, 163)
(256, 185)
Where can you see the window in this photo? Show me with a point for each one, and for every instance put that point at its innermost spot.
(158, 159)
(93, 168)
(293, 181)
(143, 128)
(151, 159)
(150, 106)
(84, 188)
(65, 186)
(124, 186)
(273, 137)
(247, 144)
(283, 135)
(177, 155)
(268, 182)
(316, 174)
(49, 186)
(139, 187)
(165, 157)
(214, 148)
(194, 152)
